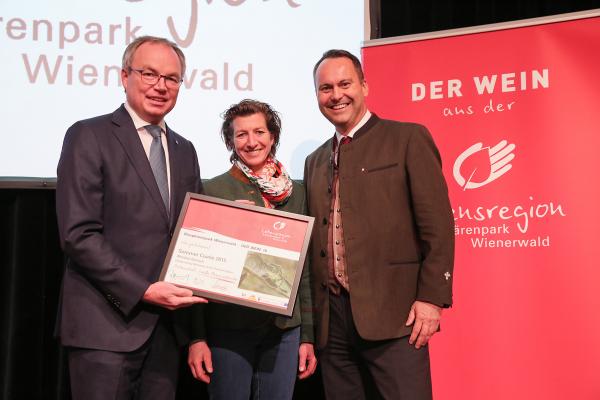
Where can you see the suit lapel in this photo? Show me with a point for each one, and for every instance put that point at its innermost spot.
(127, 135)
(175, 170)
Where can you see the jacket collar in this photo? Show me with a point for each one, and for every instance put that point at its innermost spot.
(367, 126)
(238, 174)
(360, 132)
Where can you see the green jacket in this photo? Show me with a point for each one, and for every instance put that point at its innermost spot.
(233, 185)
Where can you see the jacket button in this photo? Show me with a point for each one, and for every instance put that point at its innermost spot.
(324, 221)
(323, 254)
(323, 285)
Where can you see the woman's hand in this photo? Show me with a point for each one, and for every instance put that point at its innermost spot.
(307, 360)
(200, 361)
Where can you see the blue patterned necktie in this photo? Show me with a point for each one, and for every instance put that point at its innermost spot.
(158, 163)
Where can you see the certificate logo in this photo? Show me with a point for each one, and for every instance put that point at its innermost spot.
(279, 225)
(477, 166)
(277, 232)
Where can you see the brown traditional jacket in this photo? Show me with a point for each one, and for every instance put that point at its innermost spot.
(397, 221)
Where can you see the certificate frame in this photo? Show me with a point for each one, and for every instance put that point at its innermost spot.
(213, 236)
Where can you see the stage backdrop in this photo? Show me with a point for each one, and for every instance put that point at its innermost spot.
(60, 63)
(515, 111)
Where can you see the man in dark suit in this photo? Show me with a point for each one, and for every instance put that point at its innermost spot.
(383, 248)
(122, 178)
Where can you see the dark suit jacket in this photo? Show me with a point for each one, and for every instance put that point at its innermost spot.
(397, 223)
(114, 229)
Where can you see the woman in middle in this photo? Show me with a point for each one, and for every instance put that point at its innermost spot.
(240, 352)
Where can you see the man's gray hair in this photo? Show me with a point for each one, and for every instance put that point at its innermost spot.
(133, 46)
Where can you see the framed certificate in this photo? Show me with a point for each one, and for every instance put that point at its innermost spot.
(238, 253)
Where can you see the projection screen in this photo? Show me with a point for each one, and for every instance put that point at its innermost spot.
(61, 62)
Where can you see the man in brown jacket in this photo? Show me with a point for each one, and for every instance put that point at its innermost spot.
(383, 246)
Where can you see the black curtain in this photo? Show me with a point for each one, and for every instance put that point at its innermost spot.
(32, 363)
(405, 17)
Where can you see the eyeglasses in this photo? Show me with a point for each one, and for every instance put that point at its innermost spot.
(152, 78)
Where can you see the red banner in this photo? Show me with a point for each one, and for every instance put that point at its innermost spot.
(516, 115)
